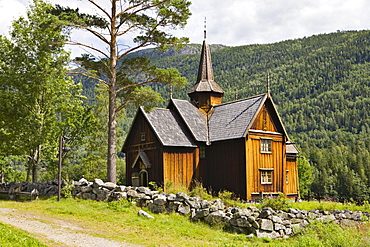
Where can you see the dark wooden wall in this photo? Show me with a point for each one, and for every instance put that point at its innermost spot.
(226, 166)
(151, 146)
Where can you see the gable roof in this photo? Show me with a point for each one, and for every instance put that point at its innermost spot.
(168, 127)
(193, 118)
(231, 120)
(141, 154)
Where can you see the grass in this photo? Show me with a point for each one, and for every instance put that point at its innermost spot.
(12, 237)
(119, 221)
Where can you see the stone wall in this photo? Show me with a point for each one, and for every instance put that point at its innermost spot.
(250, 221)
(49, 188)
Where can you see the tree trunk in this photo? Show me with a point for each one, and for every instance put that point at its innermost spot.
(111, 167)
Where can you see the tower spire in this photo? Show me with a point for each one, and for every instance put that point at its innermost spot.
(268, 82)
(205, 27)
(206, 93)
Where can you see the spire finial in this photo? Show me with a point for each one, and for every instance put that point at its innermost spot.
(268, 82)
(205, 27)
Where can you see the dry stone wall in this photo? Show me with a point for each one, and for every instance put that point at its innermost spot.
(250, 221)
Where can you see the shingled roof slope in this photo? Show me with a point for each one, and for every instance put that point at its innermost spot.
(231, 120)
(193, 118)
(169, 128)
(205, 80)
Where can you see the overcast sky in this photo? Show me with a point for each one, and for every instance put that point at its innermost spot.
(243, 22)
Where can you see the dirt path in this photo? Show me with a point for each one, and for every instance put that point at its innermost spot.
(54, 232)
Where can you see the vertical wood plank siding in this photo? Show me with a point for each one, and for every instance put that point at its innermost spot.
(293, 184)
(178, 166)
(257, 161)
(226, 166)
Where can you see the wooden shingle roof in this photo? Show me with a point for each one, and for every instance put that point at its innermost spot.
(231, 120)
(169, 128)
(193, 118)
(205, 80)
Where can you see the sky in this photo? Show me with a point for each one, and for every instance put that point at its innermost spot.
(241, 22)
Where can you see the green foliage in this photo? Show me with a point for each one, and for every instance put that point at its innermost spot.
(199, 191)
(125, 78)
(320, 234)
(278, 203)
(12, 237)
(304, 176)
(40, 103)
(66, 191)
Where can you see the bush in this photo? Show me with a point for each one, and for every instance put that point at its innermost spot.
(278, 203)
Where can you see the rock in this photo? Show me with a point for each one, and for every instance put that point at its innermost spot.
(181, 196)
(132, 194)
(266, 225)
(120, 188)
(215, 218)
(160, 200)
(201, 213)
(97, 183)
(145, 214)
(217, 205)
(155, 208)
(192, 202)
(144, 190)
(183, 209)
(109, 185)
(243, 222)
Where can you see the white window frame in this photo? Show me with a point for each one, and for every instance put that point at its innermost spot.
(266, 175)
(266, 145)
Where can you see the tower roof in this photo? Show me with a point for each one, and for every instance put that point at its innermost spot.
(205, 81)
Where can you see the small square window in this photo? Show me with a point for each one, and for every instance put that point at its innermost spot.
(266, 145)
(202, 152)
(287, 176)
(142, 137)
(266, 176)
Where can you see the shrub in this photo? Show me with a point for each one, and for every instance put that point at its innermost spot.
(66, 191)
(278, 203)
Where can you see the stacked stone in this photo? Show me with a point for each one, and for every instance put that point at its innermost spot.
(49, 188)
(250, 221)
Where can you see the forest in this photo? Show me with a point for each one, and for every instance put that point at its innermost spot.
(320, 84)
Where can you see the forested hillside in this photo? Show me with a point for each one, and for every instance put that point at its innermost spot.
(321, 86)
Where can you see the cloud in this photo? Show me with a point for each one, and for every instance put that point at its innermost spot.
(9, 11)
(241, 22)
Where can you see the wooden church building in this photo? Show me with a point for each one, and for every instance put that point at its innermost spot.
(239, 146)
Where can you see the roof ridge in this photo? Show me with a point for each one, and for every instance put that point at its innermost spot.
(240, 100)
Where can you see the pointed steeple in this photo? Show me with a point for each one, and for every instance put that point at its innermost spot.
(206, 93)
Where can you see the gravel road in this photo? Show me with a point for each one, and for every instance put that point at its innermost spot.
(55, 232)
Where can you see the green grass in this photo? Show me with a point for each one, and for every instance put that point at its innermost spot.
(119, 221)
(10, 236)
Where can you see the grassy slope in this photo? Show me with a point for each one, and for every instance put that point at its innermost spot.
(119, 221)
(12, 237)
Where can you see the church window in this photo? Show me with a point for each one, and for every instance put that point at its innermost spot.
(266, 145)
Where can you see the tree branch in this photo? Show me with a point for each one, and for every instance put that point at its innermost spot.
(87, 46)
(95, 33)
(101, 9)
(90, 76)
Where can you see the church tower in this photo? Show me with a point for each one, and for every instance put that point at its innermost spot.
(206, 93)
